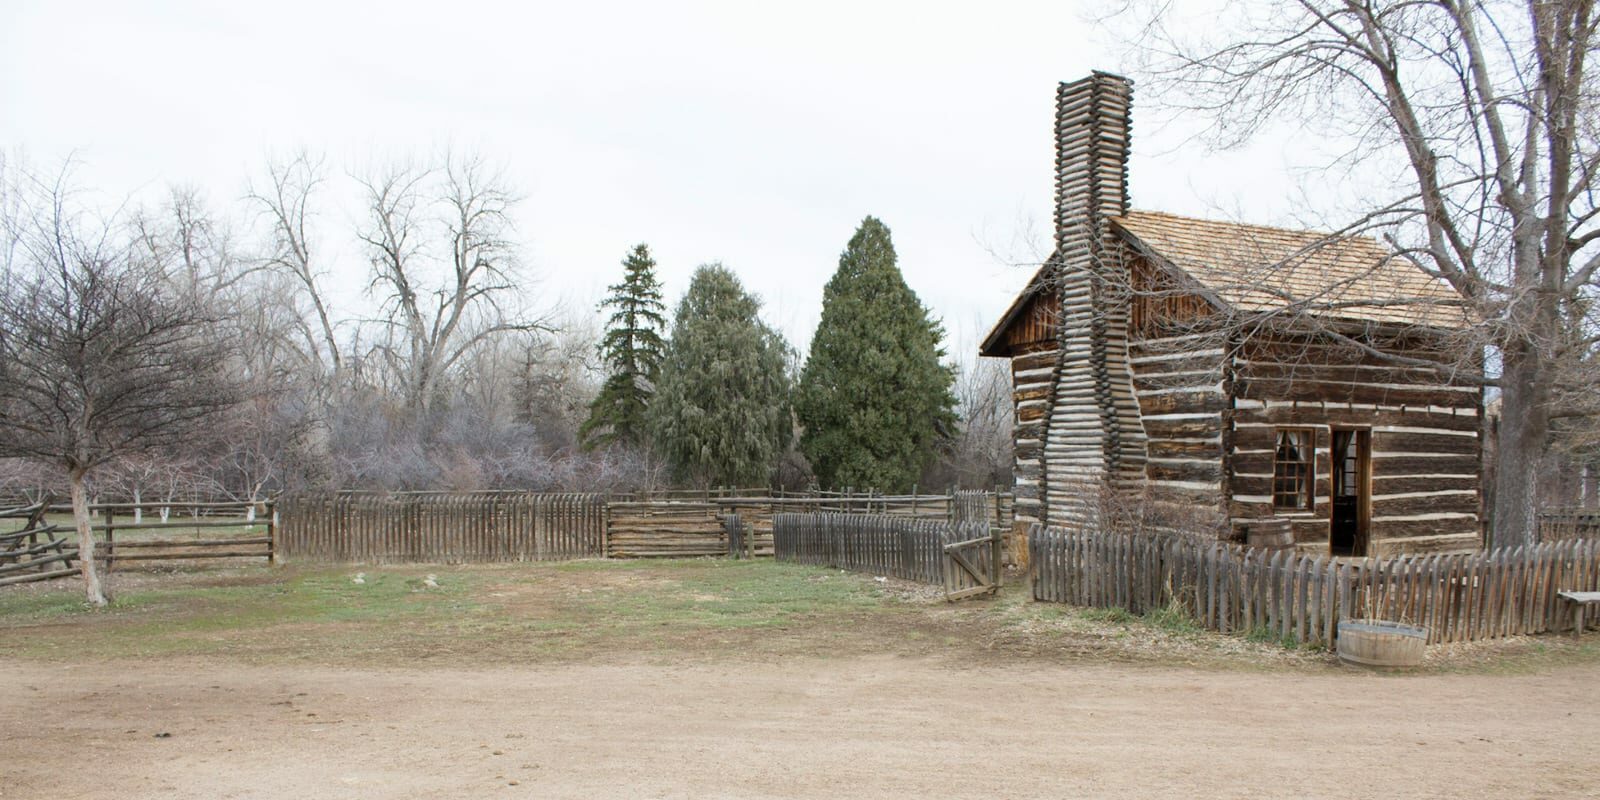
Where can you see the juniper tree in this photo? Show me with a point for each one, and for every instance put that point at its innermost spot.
(874, 399)
(720, 414)
(632, 350)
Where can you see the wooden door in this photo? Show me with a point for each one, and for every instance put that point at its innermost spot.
(1351, 490)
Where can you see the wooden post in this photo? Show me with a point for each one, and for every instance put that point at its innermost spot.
(111, 550)
(272, 532)
(994, 558)
(735, 536)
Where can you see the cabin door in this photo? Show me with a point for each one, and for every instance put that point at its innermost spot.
(1347, 535)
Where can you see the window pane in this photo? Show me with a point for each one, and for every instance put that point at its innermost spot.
(1291, 470)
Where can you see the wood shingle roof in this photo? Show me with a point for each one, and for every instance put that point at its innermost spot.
(1255, 268)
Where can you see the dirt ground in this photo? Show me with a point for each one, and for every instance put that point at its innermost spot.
(861, 726)
(709, 678)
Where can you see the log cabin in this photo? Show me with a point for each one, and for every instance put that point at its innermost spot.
(1234, 378)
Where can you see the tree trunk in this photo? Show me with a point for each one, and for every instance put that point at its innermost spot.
(94, 591)
(1524, 430)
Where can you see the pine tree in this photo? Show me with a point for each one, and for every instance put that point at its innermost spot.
(874, 399)
(632, 350)
(720, 414)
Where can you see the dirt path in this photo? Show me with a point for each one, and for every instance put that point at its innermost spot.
(876, 727)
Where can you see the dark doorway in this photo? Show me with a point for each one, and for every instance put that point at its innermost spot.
(1347, 535)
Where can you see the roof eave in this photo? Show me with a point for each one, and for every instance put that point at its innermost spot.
(994, 344)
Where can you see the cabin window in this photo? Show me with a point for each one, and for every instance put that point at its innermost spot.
(1292, 462)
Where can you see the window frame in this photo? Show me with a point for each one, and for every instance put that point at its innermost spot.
(1307, 500)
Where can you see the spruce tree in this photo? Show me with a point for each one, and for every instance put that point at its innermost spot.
(720, 414)
(632, 350)
(874, 399)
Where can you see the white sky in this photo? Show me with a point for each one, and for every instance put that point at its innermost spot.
(741, 132)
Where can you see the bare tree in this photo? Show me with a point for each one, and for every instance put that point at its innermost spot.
(97, 357)
(445, 265)
(286, 201)
(1488, 111)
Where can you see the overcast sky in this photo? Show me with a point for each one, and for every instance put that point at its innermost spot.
(712, 131)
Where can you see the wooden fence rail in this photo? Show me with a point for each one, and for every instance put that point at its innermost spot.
(1561, 524)
(910, 549)
(32, 549)
(445, 527)
(1299, 598)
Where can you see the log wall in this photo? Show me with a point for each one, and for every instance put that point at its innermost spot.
(1032, 378)
(1426, 442)
(1181, 383)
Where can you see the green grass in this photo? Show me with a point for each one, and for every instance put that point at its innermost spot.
(536, 611)
(199, 619)
(598, 610)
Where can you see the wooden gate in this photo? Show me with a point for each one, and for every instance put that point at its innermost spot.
(971, 561)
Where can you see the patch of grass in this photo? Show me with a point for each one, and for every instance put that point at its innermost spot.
(627, 610)
(502, 612)
(1173, 619)
(191, 618)
(1264, 635)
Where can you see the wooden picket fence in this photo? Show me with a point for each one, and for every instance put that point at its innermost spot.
(1299, 598)
(379, 527)
(911, 549)
(447, 527)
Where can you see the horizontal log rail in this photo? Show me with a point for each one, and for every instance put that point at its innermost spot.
(124, 544)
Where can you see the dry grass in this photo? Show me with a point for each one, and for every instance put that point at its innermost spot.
(631, 611)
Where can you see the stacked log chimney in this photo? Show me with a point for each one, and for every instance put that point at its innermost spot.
(1093, 436)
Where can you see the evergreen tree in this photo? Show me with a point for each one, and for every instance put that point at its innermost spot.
(632, 350)
(720, 414)
(874, 399)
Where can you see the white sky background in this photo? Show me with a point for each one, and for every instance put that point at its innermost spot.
(741, 132)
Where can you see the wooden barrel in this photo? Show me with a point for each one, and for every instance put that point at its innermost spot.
(1272, 533)
(1381, 645)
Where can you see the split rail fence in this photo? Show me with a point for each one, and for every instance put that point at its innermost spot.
(33, 549)
(171, 531)
(1299, 598)
(44, 544)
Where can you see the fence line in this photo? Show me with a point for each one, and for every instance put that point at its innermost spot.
(911, 549)
(442, 527)
(1561, 524)
(33, 549)
(1300, 598)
